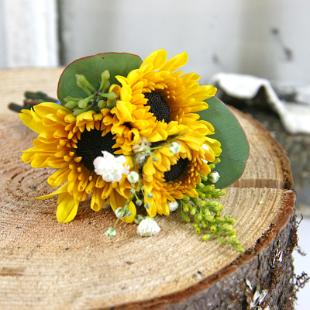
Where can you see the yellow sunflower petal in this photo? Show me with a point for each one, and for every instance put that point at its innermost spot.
(45, 108)
(60, 190)
(67, 208)
(176, 62)
(96, 202)
(156, 59)
(123, 110)
(133, 212)
(31, 120)
(58, 177)
(116, 200)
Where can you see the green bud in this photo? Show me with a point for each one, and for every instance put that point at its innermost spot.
(213, 229)
(186, 198)
(78, 111)
(69, 98)
(209, 188)
(197, 230)
(202, 195)
(198, 218)
(228, 229)
(185, 217)
(209, 218)
(195, 200)
(195, 225)
(104, 84)
(230, 220)
(102, 104)
(186, 208)
(203, 203)
(200, 186)
(83, 103)
(206, 212)
(110, 104)
(204, 179)
(111, 96)
(83, 83)
(193, 211)
(206, 237)
(71, 105)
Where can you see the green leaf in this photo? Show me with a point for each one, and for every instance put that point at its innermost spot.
(92, 67)
(235, 146)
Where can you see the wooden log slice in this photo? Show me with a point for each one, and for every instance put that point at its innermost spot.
(46, 265)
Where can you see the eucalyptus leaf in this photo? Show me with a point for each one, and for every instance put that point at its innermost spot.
(235, 146)
(92, 68)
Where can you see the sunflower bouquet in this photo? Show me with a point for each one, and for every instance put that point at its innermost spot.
(141, 137)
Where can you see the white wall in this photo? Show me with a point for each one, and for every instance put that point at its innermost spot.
(28, 33)
(2, 49)
(268, 38)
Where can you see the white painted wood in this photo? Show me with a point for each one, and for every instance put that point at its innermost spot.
(29, 33)
(2, 48)
(268, 38)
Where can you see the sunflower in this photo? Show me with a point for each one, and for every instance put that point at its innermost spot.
(170, 175)
(154, 95)
(70, 145)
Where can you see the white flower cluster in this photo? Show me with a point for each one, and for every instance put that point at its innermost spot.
(173, 205)
(133, 177)
(214, 176)
(148, 227)
(175, 147)
(110, 167)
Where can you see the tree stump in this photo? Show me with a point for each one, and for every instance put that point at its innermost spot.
(46, 265)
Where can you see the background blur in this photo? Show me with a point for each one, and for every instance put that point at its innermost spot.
(263, 38)
(267, 38)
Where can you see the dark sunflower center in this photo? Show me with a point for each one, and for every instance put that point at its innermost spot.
(177, 171)
(90, 146)
(159, 107)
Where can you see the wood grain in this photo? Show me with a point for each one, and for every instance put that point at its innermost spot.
(45, 265)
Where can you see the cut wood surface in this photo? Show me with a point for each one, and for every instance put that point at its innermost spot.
(46, 265)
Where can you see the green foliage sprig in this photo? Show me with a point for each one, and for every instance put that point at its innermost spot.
(95, 99)
(31, 99)
(205, 214)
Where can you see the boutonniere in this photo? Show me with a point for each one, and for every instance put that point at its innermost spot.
(142, 138)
